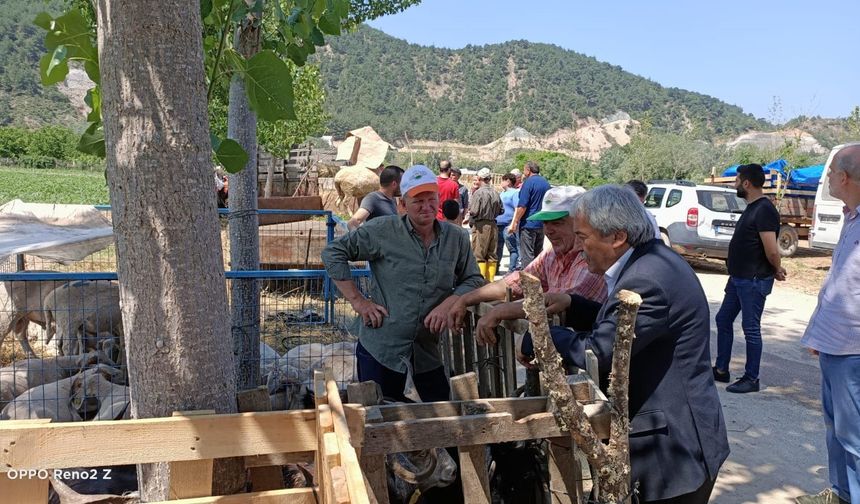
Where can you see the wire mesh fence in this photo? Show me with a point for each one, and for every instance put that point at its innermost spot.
(62, 352)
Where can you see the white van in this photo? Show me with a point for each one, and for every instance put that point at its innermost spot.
(827, 214)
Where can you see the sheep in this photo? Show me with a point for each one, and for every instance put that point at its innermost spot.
(268, 357)
(52, 400)
(304, 356)
(411, 474)
(76, 310)
(20, 304)
(95, 397)
(26, 374)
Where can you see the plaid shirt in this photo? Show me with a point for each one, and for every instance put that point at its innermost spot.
(566, 273)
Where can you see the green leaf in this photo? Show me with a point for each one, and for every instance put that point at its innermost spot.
(54, 67)
(213, 138)
(317, 37)
(231, 155)
(269, 86)
(93, 140)
(330, 23)
(342, 8)
(294, 16)
(92, 69)
(43, 20)
(319, 8)
(205, 8)
(236, 61)
(279, 11)
(94, 100)
(299, 55)
(72, 31)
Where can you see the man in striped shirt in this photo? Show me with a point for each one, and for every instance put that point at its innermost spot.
(561, 269)
(833, 334)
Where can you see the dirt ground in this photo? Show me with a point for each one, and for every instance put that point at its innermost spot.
(806, 270)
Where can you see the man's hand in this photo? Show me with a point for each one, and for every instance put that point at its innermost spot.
(812, 351)
(437, 319)
(485, 331)
(512, 229)
(556, 303)
(456, 314)
(524, 359)
(371, 313)
(780, 274)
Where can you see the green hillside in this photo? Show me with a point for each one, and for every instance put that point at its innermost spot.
(23, 99)
(478, 93)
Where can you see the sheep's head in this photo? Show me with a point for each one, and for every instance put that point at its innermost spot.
(84, 396)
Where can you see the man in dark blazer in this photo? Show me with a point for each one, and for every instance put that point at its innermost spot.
(677, 433)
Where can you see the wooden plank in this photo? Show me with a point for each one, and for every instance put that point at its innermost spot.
(190, 478)
(373, 467)
(262, 477)
(592, 367)
(24, 489)
(59, 446)
(409, 435)
(330, 456)
(518, 408)
(473, 459)
(289, 495)
(565, 476)
(279, 459)
(349, 459)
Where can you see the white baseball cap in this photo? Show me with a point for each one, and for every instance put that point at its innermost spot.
(557, 203)
(484, 173)
(418, 179)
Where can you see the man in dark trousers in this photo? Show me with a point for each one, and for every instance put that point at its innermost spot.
(531, 195)
(753, 264)
(677, 432)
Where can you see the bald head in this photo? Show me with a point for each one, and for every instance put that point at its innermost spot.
(848, 160)
(444, 166)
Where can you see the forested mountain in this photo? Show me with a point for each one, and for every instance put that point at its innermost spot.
(23, 99)
(478, 93)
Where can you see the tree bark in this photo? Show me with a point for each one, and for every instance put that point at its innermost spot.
(169, 259)
(244, 236)
(613, 461)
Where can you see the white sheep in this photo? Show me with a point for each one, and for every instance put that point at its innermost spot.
(26, 374)
(95, 397)
(20, 304)
(51, 400)
(78, 309)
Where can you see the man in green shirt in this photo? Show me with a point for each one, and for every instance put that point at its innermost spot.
(420, 268)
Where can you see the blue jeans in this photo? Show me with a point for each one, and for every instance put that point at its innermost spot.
(513, 247)
(840, 400)
(745, 296)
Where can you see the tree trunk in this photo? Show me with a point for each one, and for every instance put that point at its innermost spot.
(169, 259)
(244, 237)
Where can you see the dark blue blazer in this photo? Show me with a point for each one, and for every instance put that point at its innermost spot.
(677, 432)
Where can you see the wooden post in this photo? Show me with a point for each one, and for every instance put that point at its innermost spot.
(262, 478)
(473, 459)
(191, 478)
(613, 462)
(369, 393)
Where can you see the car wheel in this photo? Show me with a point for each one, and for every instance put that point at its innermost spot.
(787, 240)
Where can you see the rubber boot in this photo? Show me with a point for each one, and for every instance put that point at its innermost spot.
(492, 267)
(483, 267)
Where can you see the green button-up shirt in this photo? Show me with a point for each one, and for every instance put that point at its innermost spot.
(409, 280)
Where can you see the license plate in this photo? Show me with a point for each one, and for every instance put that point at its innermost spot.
(724, 230)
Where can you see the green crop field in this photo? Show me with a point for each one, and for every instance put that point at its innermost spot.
(53, 186)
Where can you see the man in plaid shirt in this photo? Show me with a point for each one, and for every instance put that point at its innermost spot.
(561, 269)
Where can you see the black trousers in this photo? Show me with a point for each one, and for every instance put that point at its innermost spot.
(699, 496)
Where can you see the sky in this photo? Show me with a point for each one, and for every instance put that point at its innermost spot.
(775, 59)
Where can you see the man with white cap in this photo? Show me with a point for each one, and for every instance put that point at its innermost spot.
(561, 268)
(420, 268)
(484, 207)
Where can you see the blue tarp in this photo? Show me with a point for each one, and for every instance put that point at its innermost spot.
(800, 178)
(806, 177)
